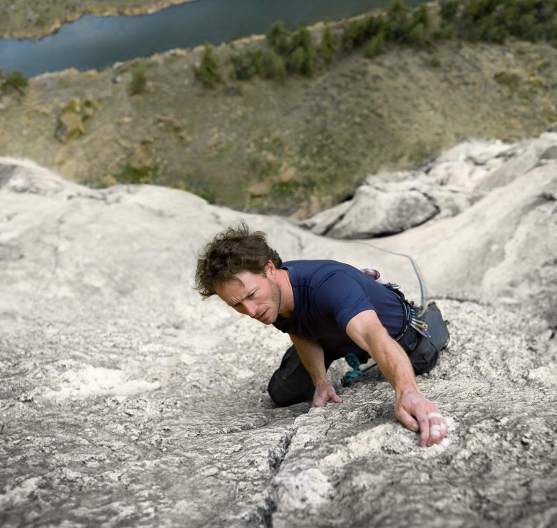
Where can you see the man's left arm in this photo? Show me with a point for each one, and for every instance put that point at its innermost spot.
(411, 408)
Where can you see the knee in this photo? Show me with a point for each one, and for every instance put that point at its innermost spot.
(283, 397)
(425, 364)
(274, 391)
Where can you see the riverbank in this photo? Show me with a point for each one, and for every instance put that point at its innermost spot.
(21, 20)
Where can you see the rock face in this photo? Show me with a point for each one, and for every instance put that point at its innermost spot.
(127, 401)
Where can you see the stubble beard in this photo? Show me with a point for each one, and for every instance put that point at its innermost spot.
(276, 300)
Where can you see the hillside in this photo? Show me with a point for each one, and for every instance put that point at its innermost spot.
(309, 141)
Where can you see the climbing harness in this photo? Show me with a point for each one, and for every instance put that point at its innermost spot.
(410, 317)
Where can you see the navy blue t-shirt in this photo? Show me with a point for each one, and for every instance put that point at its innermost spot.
(327, 295)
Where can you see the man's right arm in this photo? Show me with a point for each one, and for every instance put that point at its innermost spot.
(313, 358)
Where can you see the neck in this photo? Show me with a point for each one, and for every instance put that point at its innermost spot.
(286, 292)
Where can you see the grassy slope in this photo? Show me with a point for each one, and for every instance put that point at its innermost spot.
(357, 118)
(25, 19)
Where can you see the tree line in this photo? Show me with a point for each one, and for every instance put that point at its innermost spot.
(296, 52)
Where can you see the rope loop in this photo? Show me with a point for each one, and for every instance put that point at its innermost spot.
(354, 363)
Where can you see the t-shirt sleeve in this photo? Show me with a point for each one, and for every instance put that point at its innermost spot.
(340, 297)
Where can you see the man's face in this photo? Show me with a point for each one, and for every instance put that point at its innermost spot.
(255, 295)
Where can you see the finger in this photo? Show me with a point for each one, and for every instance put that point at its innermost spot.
(434, 434)
(423, 423)
(407, 420)
(437, 432)
(437, 428)
(336, 398)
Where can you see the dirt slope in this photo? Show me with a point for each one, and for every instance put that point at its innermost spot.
(347, 122)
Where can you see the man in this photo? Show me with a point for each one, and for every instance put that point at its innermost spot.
(329, 309)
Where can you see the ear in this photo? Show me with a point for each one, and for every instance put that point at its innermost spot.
(271, 267)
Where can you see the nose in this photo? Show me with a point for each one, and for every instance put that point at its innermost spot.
(249, 308)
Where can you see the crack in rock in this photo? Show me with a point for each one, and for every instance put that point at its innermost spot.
(261, 515)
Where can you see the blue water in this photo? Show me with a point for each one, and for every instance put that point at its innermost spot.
(98, 42)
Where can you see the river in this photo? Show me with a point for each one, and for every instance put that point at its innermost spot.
(94, 42)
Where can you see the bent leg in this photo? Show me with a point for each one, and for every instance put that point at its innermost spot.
(436, 326)
(291, 382)
(423, 352)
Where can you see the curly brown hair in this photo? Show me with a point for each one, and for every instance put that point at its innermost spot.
(229, 253)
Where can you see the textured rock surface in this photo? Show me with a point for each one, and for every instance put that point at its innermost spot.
(126, 401)
(378, 213)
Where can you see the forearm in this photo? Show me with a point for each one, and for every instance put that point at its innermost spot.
(369, 334)
(313, 358)
(411, 408)
(395, 365)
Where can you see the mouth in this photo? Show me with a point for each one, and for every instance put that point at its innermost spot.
(263, 315)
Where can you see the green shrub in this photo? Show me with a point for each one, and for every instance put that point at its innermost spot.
(14, 79)
(257, 57)
(375, 46)
(329, 47)
(511, 80)
(134, 175)
(475, 10)
(272, 66)
(243, 64)
(373, 26)
(449, 10)
(138, 82)
(300, 59)
(278, 37)
(443, 33)
(360, 31)
(208, 70)
(421, 15)
(268, 65)
(530, 20)
(417, 36)
(302, 38)
(398, 23)
(296, 60)
(352, 36)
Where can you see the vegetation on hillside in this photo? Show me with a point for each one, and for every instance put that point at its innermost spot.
(208, 70)
(424, 27)
(138, 83)
(297, 144)
(14, 80)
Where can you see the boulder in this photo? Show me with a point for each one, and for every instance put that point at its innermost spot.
(69, 126)
(287, 175)
(447, 200)
(374, 212)
(260, 189)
